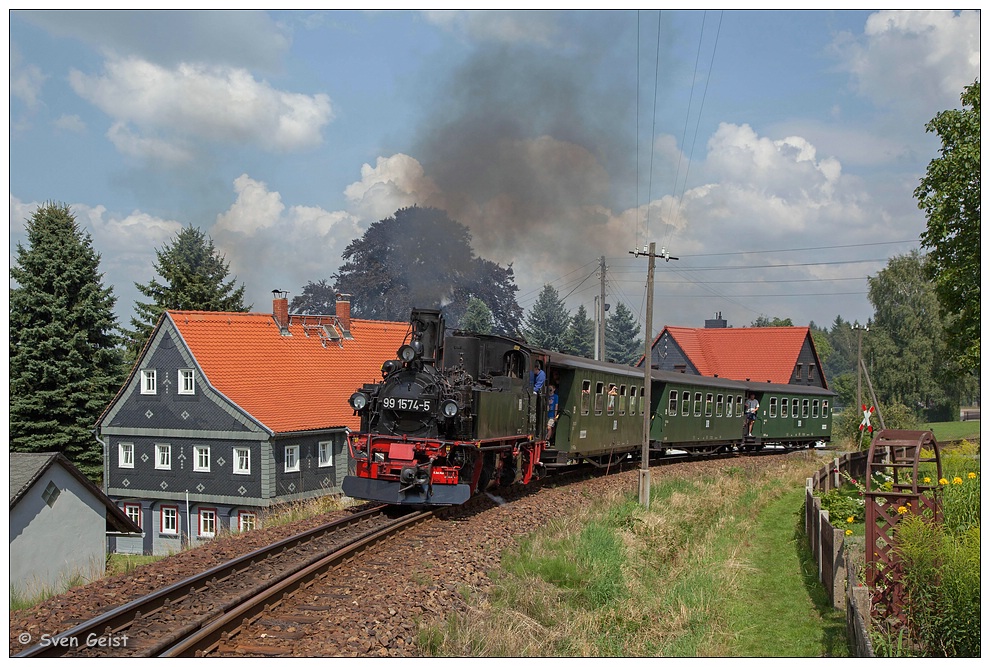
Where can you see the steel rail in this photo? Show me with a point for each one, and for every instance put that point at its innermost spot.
(208, 637)
(121, 617)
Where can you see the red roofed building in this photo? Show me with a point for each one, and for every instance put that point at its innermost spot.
(781, 355)
(225, 414)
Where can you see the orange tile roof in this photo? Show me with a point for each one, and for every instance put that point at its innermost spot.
(288, 383)
(757, 353)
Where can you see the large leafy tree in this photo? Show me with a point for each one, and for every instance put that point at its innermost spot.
(420, 258)
(547, 321)
(65, 362)
(194, 276)
(621, 336)
(950, 196)
(318, 298)
(905, 346)
(580, 337)
(764, 321)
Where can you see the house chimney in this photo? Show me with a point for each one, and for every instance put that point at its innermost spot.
(280, 310)
(344, 314)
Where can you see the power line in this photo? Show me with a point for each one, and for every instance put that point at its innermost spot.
(824, 247)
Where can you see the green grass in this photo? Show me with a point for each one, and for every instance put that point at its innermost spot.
(716, 567)
(946, 431)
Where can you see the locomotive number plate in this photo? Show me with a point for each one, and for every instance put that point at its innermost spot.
(407, 404)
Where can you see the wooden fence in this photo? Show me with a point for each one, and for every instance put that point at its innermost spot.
(838, 574)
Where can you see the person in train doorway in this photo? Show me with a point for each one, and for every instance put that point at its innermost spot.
(752, 406)
(552, 412)
(539, 377)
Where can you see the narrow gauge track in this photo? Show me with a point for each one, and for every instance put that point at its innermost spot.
(154, 624)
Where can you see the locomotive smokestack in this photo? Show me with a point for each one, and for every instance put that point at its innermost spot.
(429, 326)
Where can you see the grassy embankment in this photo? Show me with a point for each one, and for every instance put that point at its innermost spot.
(717, 566)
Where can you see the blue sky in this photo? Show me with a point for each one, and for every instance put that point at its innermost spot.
(774, 152)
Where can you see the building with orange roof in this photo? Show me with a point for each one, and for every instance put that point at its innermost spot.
(780, 355)
(225, 414)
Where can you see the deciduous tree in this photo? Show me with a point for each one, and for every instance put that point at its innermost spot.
(318, 298)
(420, 258)
(950, 196)
(65, 363)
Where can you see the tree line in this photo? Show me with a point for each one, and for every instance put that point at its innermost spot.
(69, 356)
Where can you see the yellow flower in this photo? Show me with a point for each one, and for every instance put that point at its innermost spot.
(972, 475)
(957, 480)
(928, 480)
(943, 481)
(849, 532)
(850, 519)
(902, 510)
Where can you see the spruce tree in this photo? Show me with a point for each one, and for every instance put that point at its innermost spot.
(477, 318)
(195, 278)
(65, 363)
(547, 321)
(621, 343)
(580, 337)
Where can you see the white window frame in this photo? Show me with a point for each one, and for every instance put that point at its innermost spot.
(173, 512)
(133, 512)
(207, 516)
(326, 453)
(198, 452)
(187, 382)
(292, 458)
(243, 518)
(149, 381)
(125, 455)
(163, 456)
(238, 468)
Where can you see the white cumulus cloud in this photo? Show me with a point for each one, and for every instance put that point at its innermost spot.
(204, 103)
(914, 59)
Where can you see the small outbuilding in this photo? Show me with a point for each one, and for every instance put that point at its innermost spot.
(59, 523)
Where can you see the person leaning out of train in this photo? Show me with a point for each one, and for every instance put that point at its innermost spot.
(752, 406)
(552, 411)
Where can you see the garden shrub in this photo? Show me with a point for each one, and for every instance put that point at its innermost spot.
(941, 575)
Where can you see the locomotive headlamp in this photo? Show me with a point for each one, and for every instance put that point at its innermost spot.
(449, 408)
(389, 367)
(410, 351)
(358, 400)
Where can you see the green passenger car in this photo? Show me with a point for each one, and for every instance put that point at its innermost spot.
(601, 408)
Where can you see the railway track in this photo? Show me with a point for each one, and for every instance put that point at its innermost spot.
(194, 615)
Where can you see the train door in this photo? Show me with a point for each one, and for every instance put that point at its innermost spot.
(761, 413)
(568, 398)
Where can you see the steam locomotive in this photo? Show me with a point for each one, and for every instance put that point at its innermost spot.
(456, 415)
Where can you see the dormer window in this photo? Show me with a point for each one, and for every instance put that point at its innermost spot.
(149, 381)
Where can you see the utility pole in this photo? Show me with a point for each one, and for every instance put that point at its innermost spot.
(600, 331)
(859, 329)
(644, 468)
